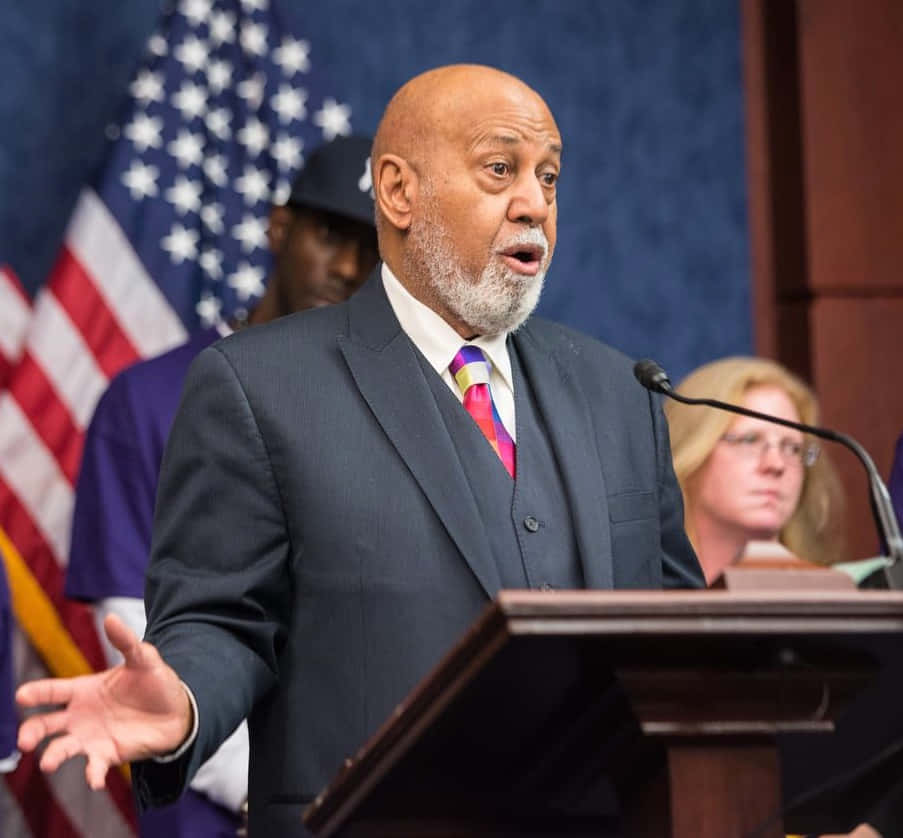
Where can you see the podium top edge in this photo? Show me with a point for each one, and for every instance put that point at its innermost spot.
(565, 603)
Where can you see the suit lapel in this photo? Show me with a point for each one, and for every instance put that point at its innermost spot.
(566, 416)
(387, 373)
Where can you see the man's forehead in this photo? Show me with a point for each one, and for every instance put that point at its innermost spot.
(546, 140)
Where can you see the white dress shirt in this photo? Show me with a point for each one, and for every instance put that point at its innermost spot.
(439, 343)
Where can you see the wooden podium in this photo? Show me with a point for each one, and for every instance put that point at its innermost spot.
(615, 713)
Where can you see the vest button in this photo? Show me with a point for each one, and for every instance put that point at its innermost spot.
(531, 524)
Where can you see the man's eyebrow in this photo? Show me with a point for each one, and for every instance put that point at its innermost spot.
(511, 139)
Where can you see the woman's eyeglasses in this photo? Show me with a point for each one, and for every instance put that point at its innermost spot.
(755, 444)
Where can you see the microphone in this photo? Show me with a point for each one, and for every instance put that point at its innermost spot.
(654, 378)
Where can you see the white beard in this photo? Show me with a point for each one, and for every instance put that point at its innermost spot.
(496, 302)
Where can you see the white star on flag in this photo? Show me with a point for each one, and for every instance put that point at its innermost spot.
(247, 281)
(212, 262)
(254, 185)
(191, 100)
(197, 11)
(254, 38)
(141, 180)
(254, 5)
(292, 56)
(184, 195)
(289, 103)
(254, 136)
(252, 233)
(144, 131)
(222, 28)
(147, 87)
(208, 308)
(219, 75)
(365, 181)
(191, 53)
(156, 45)
(212, 216)
(282, 192)
(181, 243)
(286, 152)
(218, 123)
(334, 118)
(251, 90)
(215, 169)
(187, 148)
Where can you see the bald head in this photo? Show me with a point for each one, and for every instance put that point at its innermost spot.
(433, 103)
(460, 144)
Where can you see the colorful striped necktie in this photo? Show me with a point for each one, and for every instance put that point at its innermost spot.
(470, 369)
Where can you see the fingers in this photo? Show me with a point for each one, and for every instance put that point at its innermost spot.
(46, 691)
(123, 638)
(136, 653)
(96, 772)
(37, 728)
(58, 751)
(63, 747)
(67, 746)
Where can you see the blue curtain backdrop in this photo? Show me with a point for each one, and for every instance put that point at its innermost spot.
(652, 254)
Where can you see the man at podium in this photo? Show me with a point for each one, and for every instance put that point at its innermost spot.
(345, 489)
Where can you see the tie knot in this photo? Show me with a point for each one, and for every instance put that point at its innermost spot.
(470, 366)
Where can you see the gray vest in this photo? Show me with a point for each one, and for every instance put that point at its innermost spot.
(527, 520)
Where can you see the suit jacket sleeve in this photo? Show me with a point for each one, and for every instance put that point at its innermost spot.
(218, 586)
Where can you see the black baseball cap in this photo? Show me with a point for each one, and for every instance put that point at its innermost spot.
(336, 178)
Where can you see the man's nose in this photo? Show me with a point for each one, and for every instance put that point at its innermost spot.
(529, 203)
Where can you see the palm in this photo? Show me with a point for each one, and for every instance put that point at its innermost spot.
(132, 711)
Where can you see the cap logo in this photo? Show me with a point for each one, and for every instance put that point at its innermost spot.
(365, 181)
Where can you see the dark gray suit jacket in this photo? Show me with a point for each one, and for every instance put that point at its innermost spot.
(315, 552)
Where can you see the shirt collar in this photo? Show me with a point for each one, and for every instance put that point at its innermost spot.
(437, 341)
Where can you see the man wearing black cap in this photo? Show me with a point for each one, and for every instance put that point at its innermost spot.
(323, 243)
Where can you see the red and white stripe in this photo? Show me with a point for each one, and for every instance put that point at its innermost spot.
(15, 313)
(98, 312)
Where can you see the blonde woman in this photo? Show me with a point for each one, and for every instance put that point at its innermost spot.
(746, 481)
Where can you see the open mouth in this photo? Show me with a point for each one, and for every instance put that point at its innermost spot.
(524, 258)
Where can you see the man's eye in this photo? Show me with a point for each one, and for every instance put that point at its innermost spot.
(791, 448)
(328, 235)
(749, 439)
(500, 169)
(549, 178)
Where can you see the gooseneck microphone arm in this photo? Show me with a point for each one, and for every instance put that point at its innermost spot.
(654, 378)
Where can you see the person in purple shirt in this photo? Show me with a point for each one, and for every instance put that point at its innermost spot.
(323, 242)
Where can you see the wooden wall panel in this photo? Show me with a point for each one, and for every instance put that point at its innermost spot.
(777, 228)
(824, 87)
(851, 68)
(856, 365)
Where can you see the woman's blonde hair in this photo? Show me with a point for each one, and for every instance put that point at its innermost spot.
(815, 530)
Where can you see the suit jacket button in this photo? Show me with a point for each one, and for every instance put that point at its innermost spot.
(531, 524)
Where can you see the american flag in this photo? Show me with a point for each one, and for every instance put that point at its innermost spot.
(170, 236)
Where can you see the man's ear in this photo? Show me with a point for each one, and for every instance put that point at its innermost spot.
(395, 185)
(281, 218)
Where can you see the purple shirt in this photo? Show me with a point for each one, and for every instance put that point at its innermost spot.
(117, 483)
(113, 519)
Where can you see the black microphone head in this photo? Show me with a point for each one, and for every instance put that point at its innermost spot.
(652, 376)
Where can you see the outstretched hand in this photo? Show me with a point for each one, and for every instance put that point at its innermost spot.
(132, 711)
